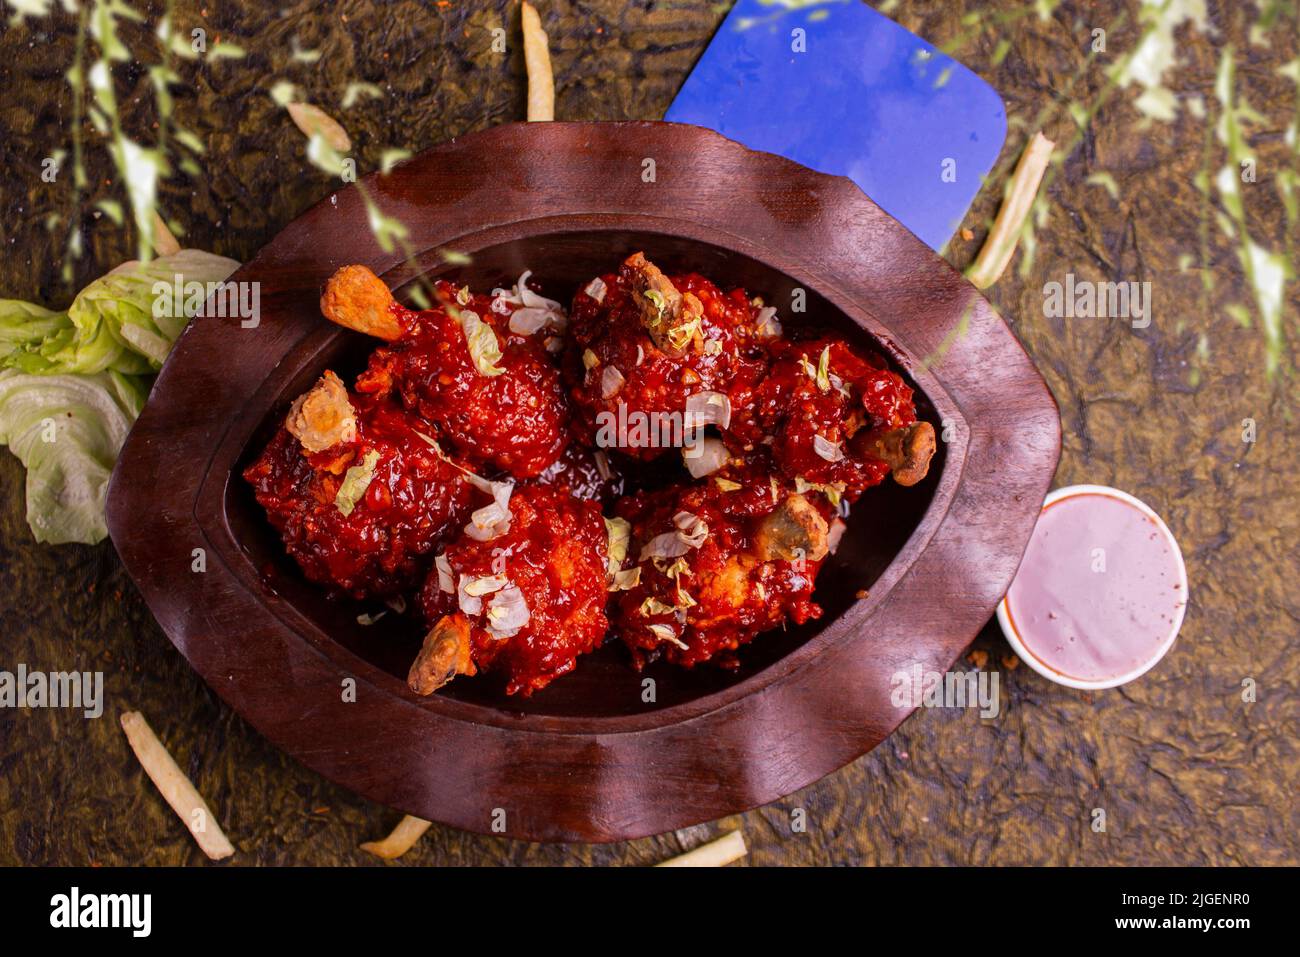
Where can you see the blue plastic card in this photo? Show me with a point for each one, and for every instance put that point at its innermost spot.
(843, 89)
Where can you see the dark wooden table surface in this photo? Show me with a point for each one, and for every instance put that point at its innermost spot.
(1185, 770)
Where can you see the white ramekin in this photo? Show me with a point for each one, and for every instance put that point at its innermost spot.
(1025, 655)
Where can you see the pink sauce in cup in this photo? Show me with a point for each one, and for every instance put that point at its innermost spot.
(1100, 595)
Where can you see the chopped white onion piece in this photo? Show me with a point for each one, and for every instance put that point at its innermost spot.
(507, 612)
(492, 520)
(827, 449)
(708, 408)
(705, 457)
(618, 532)
(446, 577)
(596, 289)
(484, 585)
(834, 534)
(625, 580)
(398, 604)
(666, 633)
(766, 324)
(666, 545)
(640, 354)
(611, 381)
(530, 298)
(469, 604)
(529, 319)
(602, 465)
(521, 295)
(691, 528)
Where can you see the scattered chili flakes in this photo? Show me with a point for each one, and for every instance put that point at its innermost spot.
(861, 593)
(1010, 662)
(979, 658)
(966, 234)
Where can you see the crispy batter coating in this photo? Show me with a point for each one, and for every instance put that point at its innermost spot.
(629, 383)
(515, 582)
(375, 541)
(514, 420)
(824, 410)
(534, 595)
(717, 569)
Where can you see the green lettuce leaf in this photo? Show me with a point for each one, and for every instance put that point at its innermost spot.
(111, 324)
(67, 431)
(25, 324)
(72, 383)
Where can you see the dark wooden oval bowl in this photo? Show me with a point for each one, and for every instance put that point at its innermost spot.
(588, 758)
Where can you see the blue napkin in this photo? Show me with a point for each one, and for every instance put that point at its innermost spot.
(843, 89)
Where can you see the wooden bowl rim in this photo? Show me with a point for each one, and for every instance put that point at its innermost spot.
(443, 724)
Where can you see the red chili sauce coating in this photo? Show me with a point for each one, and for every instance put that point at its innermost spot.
(588, 475)
(555, 553)
(512, 422)
(415, 500)
(718, 596)
(655, 382)
(712, 599)
(858, 399)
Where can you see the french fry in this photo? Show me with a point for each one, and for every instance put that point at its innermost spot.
(730, 847)
(537, 58)
(175, 787)
(164, 243)
(1000, 244)
(408, 831)
(312, 120)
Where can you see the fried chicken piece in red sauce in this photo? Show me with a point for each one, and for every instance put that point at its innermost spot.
(531, 587)
(836, 417)
(719, 563)
(360, 500)
(648, 343)
(493, 394)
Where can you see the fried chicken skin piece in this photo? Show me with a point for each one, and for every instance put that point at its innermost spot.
(492, 394)
(360, 500)
(642, 345)
(357, 299)
(717, 567)
(836, 417)
(445, 653)
(323, 416)
(907, 450)
(530, 582)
